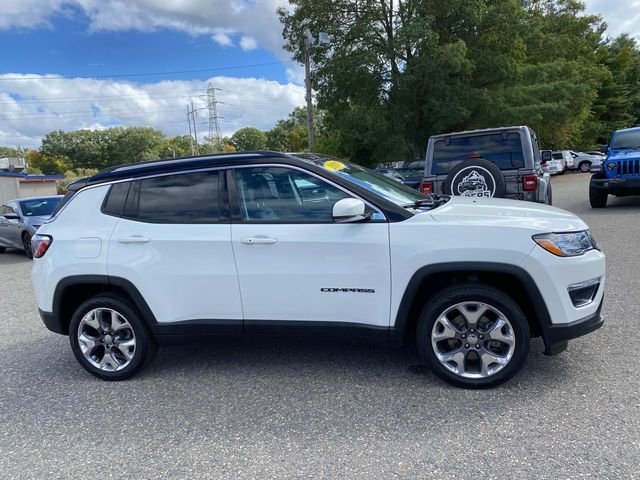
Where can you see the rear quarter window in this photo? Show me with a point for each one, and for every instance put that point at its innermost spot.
(116, 199)
(504, 150)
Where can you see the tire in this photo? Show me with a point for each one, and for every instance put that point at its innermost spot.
(475, 178)
(597, 198)
(475, 373)
(26, 244)
(117, 365)
(585, 167)
(3, 249)
(550, 196)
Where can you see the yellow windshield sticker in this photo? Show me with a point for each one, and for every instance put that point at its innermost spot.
(334, 165)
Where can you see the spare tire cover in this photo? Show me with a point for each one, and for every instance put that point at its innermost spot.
(475, 178)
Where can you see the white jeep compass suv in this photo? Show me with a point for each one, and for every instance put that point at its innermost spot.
(301, 244)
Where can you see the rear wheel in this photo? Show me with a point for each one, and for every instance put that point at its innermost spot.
(109, 338)
(473, 336)
(26, 244)
(550, 196)
(597, 197)
(2, 249)
(585, 167)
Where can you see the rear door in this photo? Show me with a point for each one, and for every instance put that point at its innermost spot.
(297, 267)
(173, 243)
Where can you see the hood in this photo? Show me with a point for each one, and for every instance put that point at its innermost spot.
(624, 155)
(507, 213)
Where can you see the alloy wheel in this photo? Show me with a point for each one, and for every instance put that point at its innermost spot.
(106, 339)
(473, 339)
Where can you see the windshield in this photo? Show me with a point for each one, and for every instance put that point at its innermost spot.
(386, 187)
(39, 207)
(627, 140)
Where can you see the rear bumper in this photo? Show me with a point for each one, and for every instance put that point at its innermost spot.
(617, 186)
(556, 336)
(53, 322)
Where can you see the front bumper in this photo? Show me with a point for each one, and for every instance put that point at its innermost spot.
(617, 186)
(53, 322)
(556, 336)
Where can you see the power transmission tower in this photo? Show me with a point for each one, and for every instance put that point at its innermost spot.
(192, 115)
(215, 139)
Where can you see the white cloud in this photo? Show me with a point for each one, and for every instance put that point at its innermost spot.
(222, 39)
(254, 19)
(622, 16)
(31, 108)
(247, 43)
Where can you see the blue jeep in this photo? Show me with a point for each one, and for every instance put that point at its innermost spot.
(619, 174)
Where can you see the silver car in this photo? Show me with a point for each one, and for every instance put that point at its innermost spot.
(21, 218)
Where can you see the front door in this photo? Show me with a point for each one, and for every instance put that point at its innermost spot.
(296, 266)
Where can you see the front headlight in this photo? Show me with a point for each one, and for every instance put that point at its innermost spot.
(566, 244)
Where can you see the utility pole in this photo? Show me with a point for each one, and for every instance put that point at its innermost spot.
(192, 115)
(307, 81)
(323, 41)
(215, 139)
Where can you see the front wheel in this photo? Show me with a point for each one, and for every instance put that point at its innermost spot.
(109, 338)
(585, 167)
(473, 336)
(597, 198)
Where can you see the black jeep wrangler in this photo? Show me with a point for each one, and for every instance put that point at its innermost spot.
(498, 162)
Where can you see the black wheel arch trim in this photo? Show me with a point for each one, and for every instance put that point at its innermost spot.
(554, 335)
(541, 311)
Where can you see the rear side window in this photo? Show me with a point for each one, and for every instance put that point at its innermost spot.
(116, 199)
(504, 150)
(181, 198)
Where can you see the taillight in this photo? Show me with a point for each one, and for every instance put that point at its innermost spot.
(530, 182)
(40, 244)
(426, 188)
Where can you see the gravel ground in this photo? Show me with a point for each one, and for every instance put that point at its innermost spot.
(286, 408)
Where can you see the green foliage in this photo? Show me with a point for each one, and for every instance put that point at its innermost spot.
(10, 152)
(399, 72)
(46, 164)
(249, 138)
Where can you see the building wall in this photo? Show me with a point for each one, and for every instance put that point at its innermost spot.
(9, 189)
(37, 189)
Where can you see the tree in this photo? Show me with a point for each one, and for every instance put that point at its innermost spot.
(249, 138)
(400, 71)
(45, 164)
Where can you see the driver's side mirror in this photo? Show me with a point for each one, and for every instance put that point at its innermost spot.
(349, 210)
(11, 216)
(604, 149)
(546, 156)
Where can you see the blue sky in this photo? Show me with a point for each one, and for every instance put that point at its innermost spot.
(55, 55)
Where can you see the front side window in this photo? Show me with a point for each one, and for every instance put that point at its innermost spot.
(279, 194)
(180, 198)
(504, 150)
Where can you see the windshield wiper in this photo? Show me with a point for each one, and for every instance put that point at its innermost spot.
(433, 200)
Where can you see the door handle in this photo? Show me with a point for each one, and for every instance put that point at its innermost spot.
(134, 239)
(258, 240)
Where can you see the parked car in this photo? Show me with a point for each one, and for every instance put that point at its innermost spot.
(596, 153)
(565, 158)
(619, 174)
(549, 165)
(499, 162)
(584, 161)
(228, 244)
(407, 176)
(20, 219)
